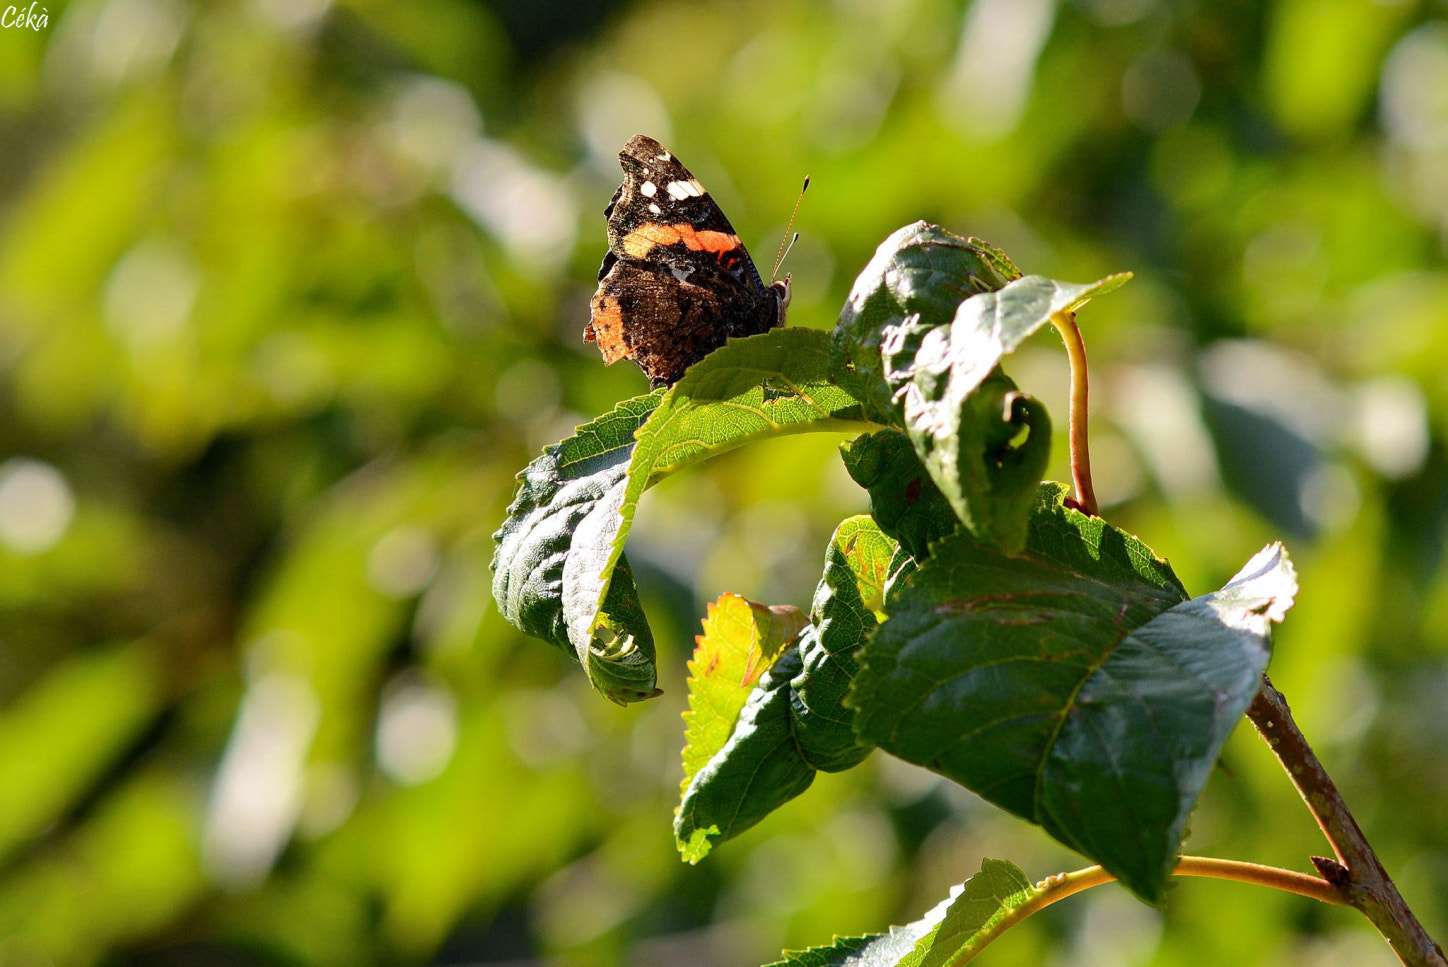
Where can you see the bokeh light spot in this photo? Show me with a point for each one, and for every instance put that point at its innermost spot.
(150, 293)
(1160, 90)
(417, 730)
(36, 505)
(402, 562)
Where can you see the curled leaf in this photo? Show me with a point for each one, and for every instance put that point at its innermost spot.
(560, 551)
(768, 385)
(539, 541)
(985, 446)
(921, 341)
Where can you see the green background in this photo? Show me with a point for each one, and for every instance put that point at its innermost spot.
(290, 291)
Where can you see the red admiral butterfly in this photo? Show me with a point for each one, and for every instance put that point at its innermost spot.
(676, 281)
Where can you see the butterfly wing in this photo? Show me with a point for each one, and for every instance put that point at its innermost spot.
(666, 324)
(662, 215)
(676, 281)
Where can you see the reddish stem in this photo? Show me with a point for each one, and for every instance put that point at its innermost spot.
(1053, 889)
(1065, 323)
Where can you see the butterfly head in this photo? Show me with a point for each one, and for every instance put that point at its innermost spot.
(780, 289)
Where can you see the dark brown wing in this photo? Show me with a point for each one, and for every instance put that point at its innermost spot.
(666, 324)
(662, 215)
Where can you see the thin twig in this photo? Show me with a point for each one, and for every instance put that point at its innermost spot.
(1289, 881)
(1356, 873)
(1062, 885)
(1065, 323)
(1056, 888)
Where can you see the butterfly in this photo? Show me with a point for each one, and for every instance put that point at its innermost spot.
(676, 281)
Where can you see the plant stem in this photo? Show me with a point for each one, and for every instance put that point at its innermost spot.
(1065, 323)
(1356, 874)
(1062, 885)
(1289, 881)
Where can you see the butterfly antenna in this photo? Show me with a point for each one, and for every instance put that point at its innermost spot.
(783, 247)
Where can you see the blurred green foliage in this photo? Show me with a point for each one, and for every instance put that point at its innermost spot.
(289, 291)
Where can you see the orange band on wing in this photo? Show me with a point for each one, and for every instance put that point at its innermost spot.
(707, 241)
(642, 240)
(639, 242)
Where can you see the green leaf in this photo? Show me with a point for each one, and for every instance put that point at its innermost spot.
(741, 640)
(904, 501)
(1178, 686)
(759, 769)
(561, 547)
(847, 606)
(558, 492)
(975, 915)
(983, 330)
(1043, 683)
(749, 389)
(795, 721)
(965, 416)
(920, 271)
(773, 384)
(950, 934)
(871, 950)
(971, 443)
(921, 340)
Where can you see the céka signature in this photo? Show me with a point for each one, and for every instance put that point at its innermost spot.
(29, 17)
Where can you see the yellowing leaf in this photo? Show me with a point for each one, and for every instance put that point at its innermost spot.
(741, 640)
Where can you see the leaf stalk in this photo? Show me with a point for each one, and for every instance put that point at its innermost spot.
(1065, 323)
(1056, 888)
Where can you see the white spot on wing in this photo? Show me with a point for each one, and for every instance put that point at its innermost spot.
(679, 190)
(664, 156)
(648, 189)
(655, 209)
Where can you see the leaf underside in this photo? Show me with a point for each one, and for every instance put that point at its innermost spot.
(950, 934)
(558, 493)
